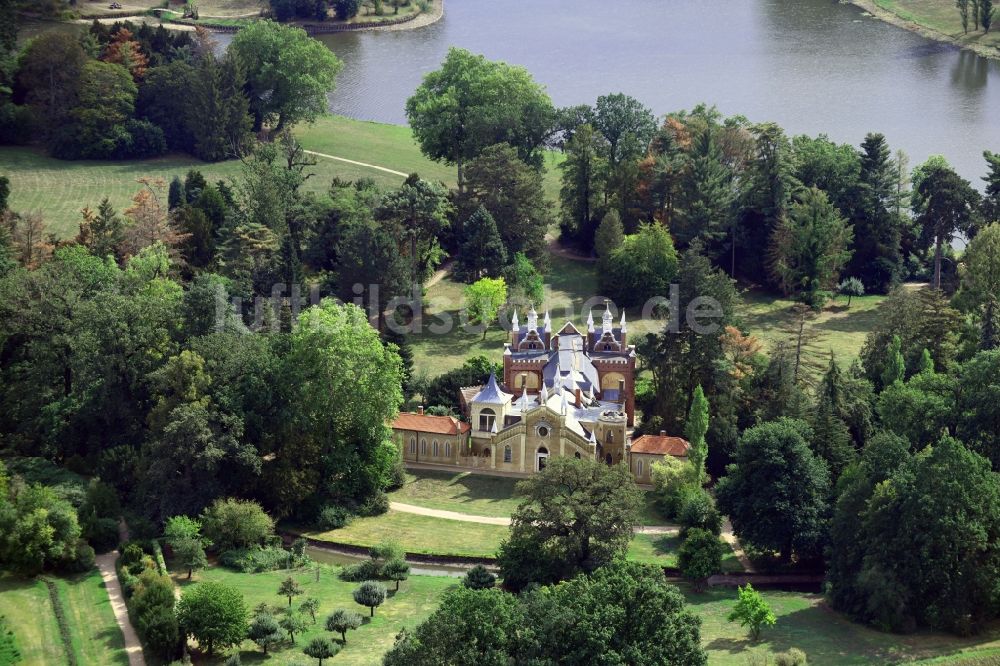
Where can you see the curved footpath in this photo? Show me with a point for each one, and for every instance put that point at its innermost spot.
(872, 8)
(504, 521)
(106, 565)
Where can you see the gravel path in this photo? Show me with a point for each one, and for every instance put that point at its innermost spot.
(106, 564)
(363, 164)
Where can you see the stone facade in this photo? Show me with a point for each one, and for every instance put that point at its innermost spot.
(562, 394)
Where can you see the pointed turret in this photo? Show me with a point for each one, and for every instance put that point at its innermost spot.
(607, 321)
(532, 319)
(514, 323)
(547, 322)
(621, 324)
(590, 321)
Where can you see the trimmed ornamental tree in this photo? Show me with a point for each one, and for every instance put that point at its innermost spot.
(396, 570)
(370, 594)
(752, 611)
(214, 614)
(321, 648)
(479, 578)
(264, 631)
(310, 606)
(293, 623)
(341, 621)
(189, 555)
(289, 588)
(851, 287)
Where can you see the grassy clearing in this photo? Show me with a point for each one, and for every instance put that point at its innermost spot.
(59, 189)
(94, 631)
(827, 637)
(662, 550)
(940, 16)
(841, 329)
(416, 599)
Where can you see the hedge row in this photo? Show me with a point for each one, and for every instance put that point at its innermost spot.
(60, 613)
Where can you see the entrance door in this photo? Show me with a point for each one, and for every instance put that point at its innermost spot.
(541, 457)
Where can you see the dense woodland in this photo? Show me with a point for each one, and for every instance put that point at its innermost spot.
(121, 357)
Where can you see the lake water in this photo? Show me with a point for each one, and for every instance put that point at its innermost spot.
(813, 66)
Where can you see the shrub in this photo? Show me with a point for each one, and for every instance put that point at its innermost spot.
(333, 518)
(256, 560)
(479, 578)
(365, 570)
(131, 554)
(321, 648)
(794, 657)
(145, 139)
(346, 9)
(161, 564)
(83, 559)
(233, 523)
(697, 510)
(375, 505)
(102, 534)
(264, 631)
(700, 555)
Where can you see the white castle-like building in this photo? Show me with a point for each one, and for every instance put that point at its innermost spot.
(563, 393)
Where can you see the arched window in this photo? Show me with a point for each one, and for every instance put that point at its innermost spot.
(610, 437)
(576, 455)
(638, 467)
(423, 447)
(487, 417)
(447, 449)
(507, 454)
(435, 448)
(486, 453)
(413, 446)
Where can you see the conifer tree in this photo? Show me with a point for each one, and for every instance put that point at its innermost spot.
(483, 253)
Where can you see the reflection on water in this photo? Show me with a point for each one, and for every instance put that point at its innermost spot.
(811, 65)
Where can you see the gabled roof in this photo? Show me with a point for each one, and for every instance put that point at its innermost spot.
(492, 393)
(438, 425)
(568, 329)
(661, 445)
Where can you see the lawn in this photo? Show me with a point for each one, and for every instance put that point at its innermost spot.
(480, 494)
(463, 492)
(841, 329)
(95, 635)
(827, 637)
(59, 189)
(416, 599)
(661, 550)
(941, 16)
(420, 534)
(26, 605)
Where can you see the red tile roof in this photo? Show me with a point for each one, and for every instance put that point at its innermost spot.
(661, 445)
(439, 425)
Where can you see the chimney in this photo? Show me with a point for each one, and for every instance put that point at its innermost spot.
(420, 410)
(579, 398)
(663, 433)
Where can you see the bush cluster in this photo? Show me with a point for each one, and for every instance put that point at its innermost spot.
(260, 558)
